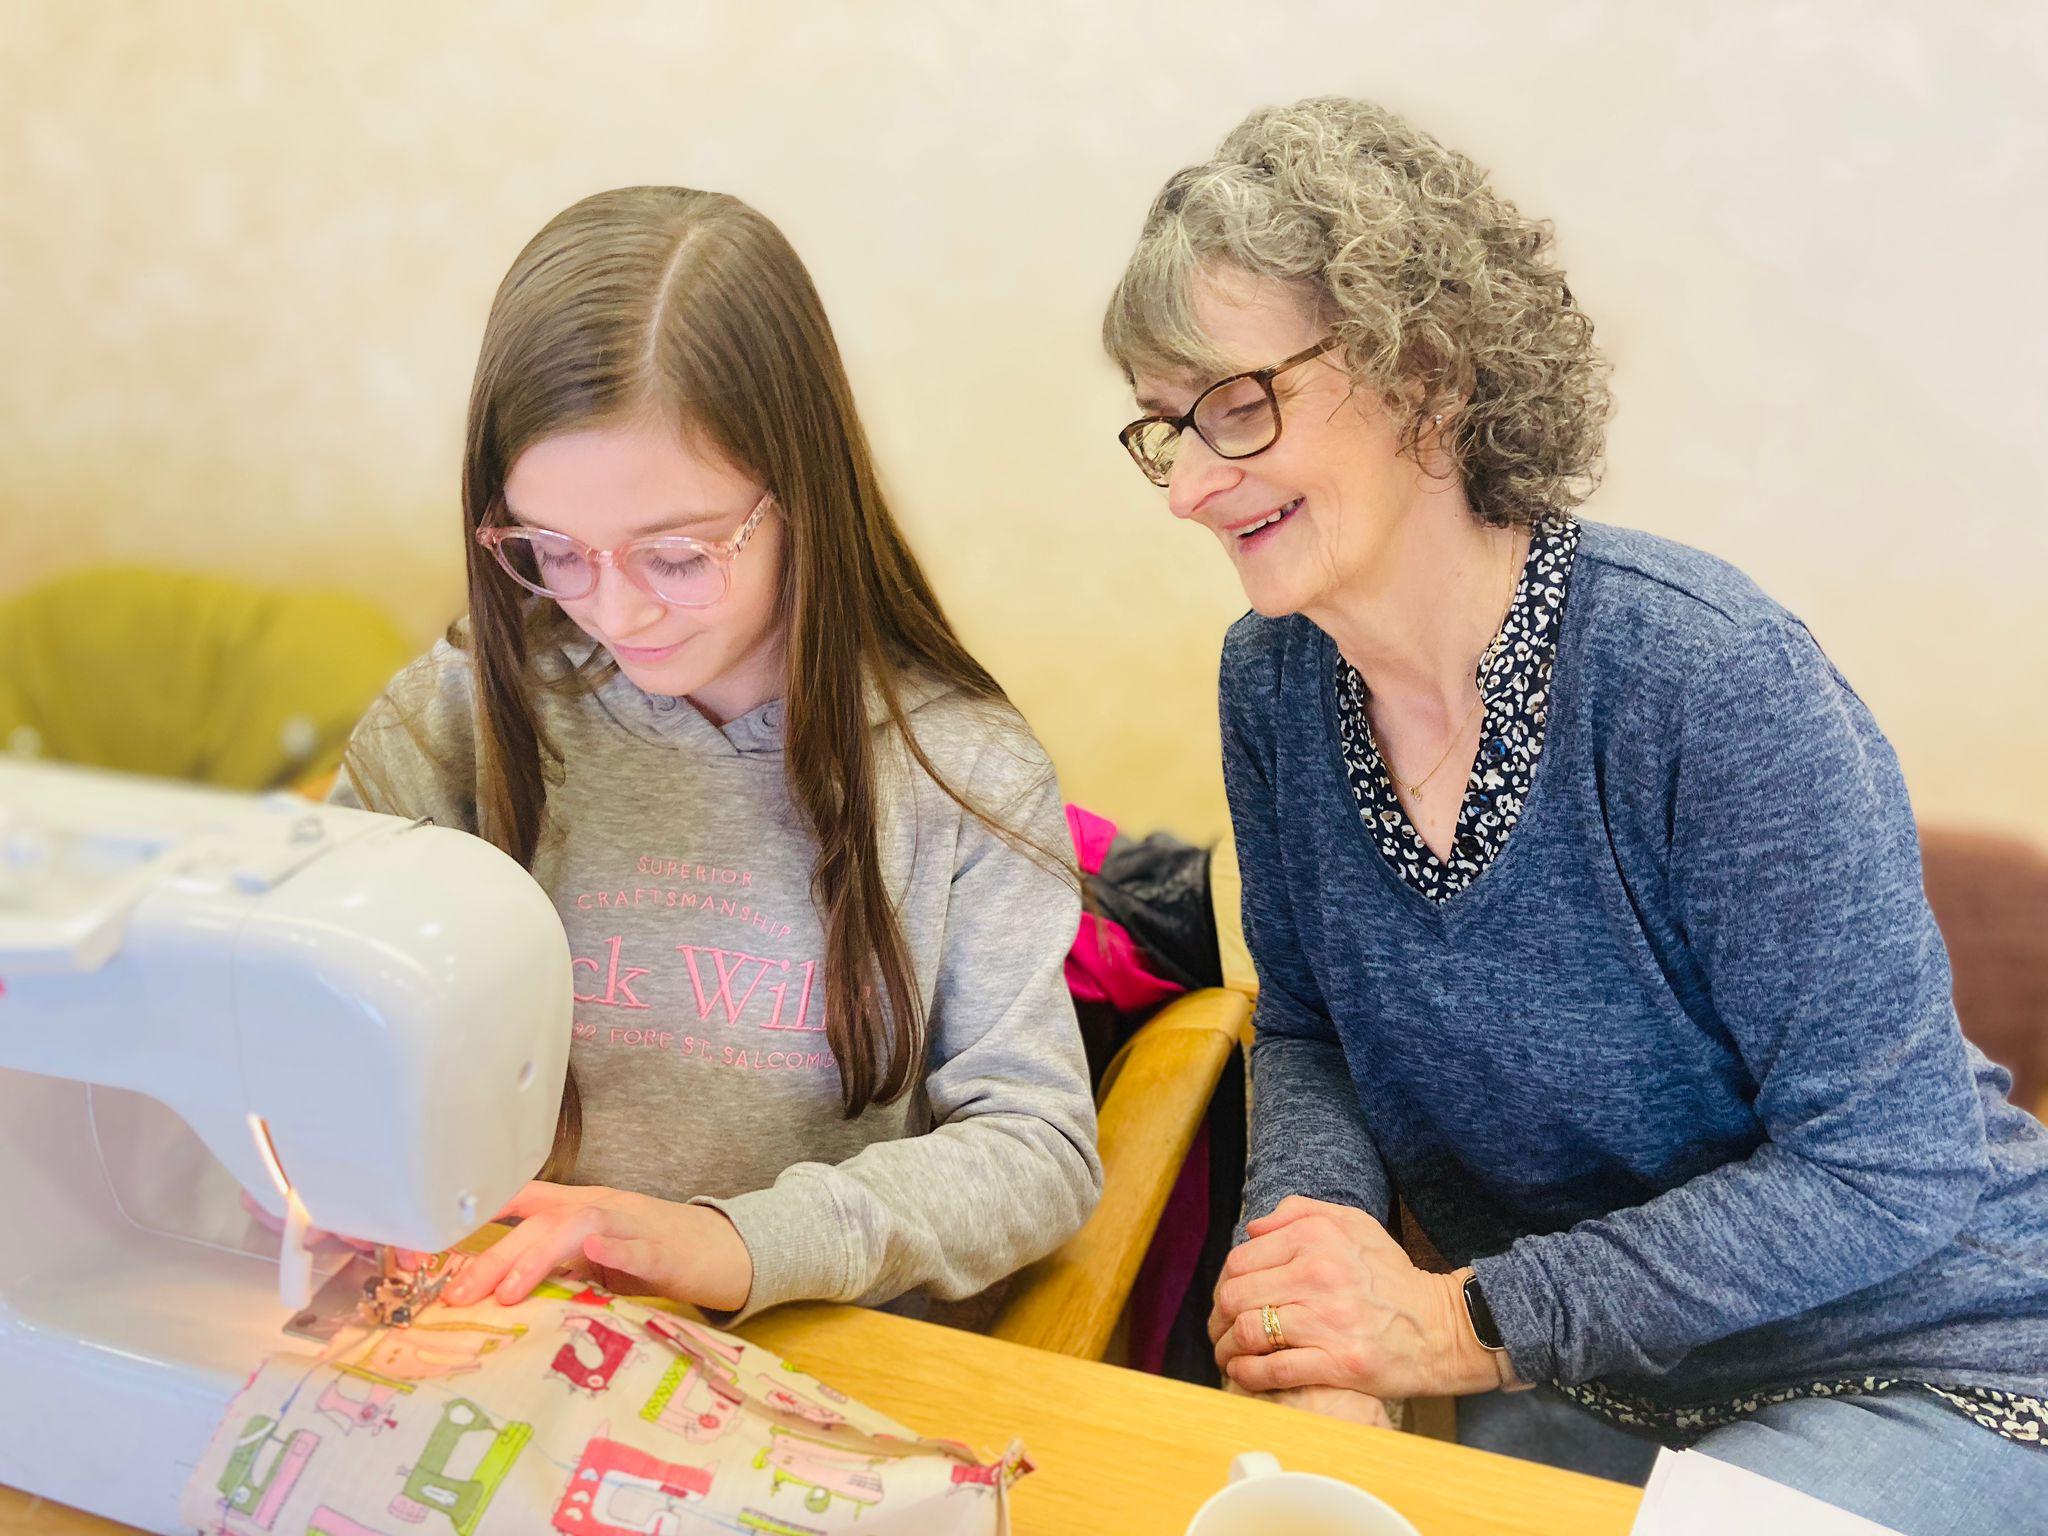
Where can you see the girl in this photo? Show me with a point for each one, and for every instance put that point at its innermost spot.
(803, 847)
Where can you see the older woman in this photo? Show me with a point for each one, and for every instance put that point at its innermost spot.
(1584, 892)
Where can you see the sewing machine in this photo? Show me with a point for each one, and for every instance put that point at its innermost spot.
(209, 1000)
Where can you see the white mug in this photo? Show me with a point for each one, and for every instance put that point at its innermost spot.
(1261, 1500)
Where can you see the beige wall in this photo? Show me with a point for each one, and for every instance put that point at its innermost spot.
(245, 254)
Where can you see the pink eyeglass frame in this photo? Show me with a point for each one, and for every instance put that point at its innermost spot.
(722, 552)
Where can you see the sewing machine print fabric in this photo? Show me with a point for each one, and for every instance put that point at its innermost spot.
(575, 1412)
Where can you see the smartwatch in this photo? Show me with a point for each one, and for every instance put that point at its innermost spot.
(1484, 1328)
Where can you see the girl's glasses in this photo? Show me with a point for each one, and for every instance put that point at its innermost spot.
(1237, 417)
(679, 571)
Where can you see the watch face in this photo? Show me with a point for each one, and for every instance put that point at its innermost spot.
(1483, 1326)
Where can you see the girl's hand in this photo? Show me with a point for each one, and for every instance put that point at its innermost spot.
(630, 1243)
(1353, 1310)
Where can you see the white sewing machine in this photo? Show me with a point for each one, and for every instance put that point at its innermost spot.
(361, 1021)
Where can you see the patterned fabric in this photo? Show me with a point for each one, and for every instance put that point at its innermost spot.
(574, 1413)
(2024, 1419)
(1514, 679)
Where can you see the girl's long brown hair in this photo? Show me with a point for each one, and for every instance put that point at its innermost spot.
(693, 307)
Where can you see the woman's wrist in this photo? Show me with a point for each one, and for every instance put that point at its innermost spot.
(1469, 1366)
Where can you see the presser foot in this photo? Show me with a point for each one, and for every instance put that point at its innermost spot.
(394, 1297)
(372, 1293)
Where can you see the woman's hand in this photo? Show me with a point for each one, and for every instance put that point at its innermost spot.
(1330, 1402)
(1335, 1403)
(631, 1243)
(1354, 1312)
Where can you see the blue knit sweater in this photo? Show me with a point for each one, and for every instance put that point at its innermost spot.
(1680, 1072)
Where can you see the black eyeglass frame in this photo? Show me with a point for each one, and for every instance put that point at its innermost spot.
(1263, 377)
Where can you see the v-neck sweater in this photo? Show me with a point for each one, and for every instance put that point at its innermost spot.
(1680, 1071)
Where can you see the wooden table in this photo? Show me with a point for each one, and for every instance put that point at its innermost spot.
(1115, 1449)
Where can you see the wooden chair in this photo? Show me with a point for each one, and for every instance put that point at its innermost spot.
(1150, 1105)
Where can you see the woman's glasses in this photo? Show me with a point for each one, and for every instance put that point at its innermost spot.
(679, 571)
(1237, 417)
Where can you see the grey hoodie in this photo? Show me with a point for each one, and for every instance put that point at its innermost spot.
(682, 871)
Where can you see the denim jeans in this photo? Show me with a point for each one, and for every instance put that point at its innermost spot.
(1901, 1458)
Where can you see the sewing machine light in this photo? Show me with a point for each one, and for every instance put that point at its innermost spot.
(268, 1153)
(294, 1258)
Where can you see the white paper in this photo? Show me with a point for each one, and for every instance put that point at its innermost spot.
(1690, 1494)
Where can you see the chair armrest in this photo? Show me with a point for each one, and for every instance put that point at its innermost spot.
(1152, 1102)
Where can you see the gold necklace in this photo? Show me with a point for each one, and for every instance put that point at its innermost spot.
(1478, 671)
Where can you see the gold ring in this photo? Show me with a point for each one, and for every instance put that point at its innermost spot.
(1269, 1319)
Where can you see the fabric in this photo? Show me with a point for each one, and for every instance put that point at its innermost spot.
(574, 1412)
(1680, 1075)
(1156, 888)
(1093, 837)
(1514, 681)
(1544, 1425)
(1105, 965)
(2016, 1416)
(187, 676)
(1148, 931)
(1901, 1460)
(682, 873)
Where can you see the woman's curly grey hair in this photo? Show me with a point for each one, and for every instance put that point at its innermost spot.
(1446, 298)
